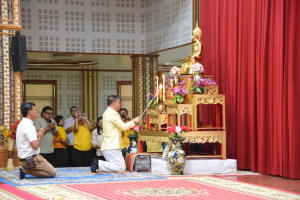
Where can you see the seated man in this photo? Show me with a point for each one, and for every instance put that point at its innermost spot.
(112, 138)
(28, 144)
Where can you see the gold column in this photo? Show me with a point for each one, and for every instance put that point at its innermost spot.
(95, 98)
(144, 71)
(85, 92)
(11, 86)
(11, 93)
(90, 94)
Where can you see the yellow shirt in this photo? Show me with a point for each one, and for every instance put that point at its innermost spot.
(112, 129)
(83, 138)
(62, 136)
(126, 141)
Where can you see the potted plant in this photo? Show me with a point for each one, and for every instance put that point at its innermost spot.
(197, 69)
(177, 156)
(133, 148)
(179, 93)
(175, 71)
(10, 136)
(199, 85)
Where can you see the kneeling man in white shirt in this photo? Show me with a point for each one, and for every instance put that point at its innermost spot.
(28, 142)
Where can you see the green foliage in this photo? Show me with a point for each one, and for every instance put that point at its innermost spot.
(178, 98)
(176, 136)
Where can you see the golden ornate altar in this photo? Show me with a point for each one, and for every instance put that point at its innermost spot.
(203, 113)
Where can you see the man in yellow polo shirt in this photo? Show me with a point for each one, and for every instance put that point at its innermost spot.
(82, 152)
(112, 138)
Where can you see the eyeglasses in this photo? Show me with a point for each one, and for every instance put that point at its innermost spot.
(49, 113)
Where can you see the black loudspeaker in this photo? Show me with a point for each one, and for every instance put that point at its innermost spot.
(19, 52)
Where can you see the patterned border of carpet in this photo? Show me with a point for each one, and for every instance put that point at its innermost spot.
(239, 173)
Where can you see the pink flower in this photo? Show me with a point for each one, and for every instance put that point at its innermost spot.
(175, 71)
(136, 129)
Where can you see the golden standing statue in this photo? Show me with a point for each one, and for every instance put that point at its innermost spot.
(196, 56)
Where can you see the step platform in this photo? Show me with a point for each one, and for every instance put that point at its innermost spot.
(195, 165)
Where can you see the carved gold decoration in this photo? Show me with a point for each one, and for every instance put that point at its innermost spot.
(212, 90)
(202, 139)
(147, 75)
(90, 96)
(162, 119)
(85, 91)
(151, 110)
(209, 100)
(153, 120)
(154, 138)
(17, 95)
(169, 102)
(184, 108)
(141, 104)
(95, 94)
(171, 110)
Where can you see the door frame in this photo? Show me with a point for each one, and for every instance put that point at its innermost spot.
(54, 82)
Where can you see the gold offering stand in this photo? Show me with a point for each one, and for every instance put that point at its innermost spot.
(188, 114)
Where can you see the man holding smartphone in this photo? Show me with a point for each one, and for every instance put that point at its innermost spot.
(28, 143)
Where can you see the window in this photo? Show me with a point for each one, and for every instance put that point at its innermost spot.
(42, 93)
(124, 91)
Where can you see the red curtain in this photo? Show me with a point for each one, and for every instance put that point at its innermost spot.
(252, 50)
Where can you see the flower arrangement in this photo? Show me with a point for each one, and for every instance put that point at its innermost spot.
(197, 67)
(179, 93)
(168, 82)
(199, 85)
(135, 129)
(12, 132)
(176, 132)
(175, 71)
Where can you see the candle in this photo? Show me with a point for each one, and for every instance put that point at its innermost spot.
(160, 92)
(164, 88)
(157, 89)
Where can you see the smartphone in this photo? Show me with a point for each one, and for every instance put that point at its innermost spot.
(81, 114)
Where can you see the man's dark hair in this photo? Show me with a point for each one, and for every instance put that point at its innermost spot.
(111, 99)
(44, 110)
(124, 109)
(73, 107)
(25, 107)
(58, 118)
(97, 126)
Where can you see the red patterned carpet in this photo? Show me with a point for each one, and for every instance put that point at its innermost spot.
(158, 189)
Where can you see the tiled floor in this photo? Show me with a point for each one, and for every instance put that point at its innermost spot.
(270, 181)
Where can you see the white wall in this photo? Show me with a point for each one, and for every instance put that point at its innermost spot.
(94, 26)
(106, 26)
(168, 23)
(69, 88)
(107, 85)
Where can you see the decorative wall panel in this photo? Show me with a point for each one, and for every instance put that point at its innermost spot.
(106, 26)
(69, 88)
(107, 85)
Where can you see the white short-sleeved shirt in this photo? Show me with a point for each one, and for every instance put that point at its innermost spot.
(26, 133)
(97, 140)
(69, 123)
